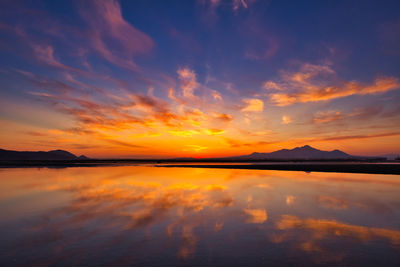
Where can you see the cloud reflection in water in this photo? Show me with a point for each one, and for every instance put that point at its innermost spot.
(114, 215)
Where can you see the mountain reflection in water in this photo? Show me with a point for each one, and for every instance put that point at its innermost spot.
(172, 216)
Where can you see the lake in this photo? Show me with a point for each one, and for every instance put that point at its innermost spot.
(156, 216)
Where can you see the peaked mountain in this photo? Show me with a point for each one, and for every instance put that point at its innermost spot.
(299, 153)
(38, 155)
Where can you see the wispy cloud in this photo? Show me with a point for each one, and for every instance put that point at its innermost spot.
(365, 136)
(320, 83)
(325, 229)
(122, 143)
(45, 53)
(107, 26)
(327, 116)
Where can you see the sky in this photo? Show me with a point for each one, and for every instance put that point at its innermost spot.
(204, 78)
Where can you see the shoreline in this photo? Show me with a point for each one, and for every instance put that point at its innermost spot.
(375, 168)
(389, 167)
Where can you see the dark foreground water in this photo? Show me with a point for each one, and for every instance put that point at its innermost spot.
(181, 216)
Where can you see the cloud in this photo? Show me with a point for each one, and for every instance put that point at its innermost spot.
(36, 133)
(363, 113)
(184, 133)
(216, 95)
(213, 5)
(366, 113)
(112, 36)
(171, 95)
(320, 83)
(122, 143)
(236, 4)
(286, 119)
(234, 143)
(253, 105)
(195, 148)
(327, 116)
(332, 202)
(45, 53)
(131, 204)
(256, 215)
(366, 136)
(223, 117)
(271, 85)
(290, 200)
(255, 133)
(323, 228)
(188, 242)
(188, 81)
(214, 131)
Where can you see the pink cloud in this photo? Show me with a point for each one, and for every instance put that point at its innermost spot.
(112, 36)
(45, 53)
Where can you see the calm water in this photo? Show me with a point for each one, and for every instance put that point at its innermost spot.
(180, 216)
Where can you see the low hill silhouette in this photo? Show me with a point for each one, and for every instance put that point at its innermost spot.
(38, 155)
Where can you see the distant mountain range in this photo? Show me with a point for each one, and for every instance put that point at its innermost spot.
(38, 155)
(299, 153)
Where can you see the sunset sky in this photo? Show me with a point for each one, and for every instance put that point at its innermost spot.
(199, 78)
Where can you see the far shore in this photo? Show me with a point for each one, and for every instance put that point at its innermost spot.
(340, 166)
(351, 167)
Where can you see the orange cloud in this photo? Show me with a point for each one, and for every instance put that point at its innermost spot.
(214, 131)
(256, 215)
(323, 228)
(253, 105)
(320, 83)
(286, 119)
(290, 200)
(223, 117)
(195, 148)
(184, 133)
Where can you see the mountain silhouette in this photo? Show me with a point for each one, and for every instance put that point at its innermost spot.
(38, 155)
(299, 153)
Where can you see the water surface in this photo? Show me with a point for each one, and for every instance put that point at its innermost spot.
(141, 215)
